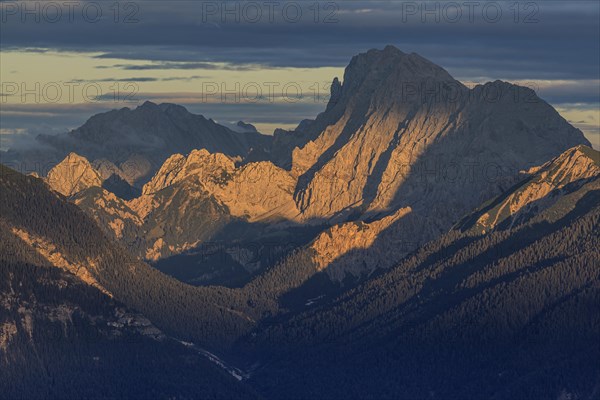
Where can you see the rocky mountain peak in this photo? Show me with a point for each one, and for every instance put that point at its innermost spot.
(576, 164)
(587, 153)
(151, 133)
(75, 158)
(542, 188)
(171, 108)
(246, 127)
(72, 175)
(390, 66)
(334, 97)
(199, 165)
(405, 134)
(148, 105)
(391, 49)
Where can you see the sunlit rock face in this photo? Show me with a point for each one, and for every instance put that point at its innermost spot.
(401, 132)
(77, 179)
(354, 248)
(404, 132)
(542, 188)
(193, 197)
(73, 175)
(186, 202)
(257, 191)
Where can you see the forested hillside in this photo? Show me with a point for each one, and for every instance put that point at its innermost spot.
(61, 338)
(205, 315)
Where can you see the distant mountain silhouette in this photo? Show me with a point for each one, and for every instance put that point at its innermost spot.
(139, 140)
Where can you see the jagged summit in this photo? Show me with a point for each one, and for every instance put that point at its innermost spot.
(403, 133)
(387, 72)
(546, 186)
(72, 175)
(255, 191)
(587, 154)
(150, 105)
(587, 151)
(150, 134)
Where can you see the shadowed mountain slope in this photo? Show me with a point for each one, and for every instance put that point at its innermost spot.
(62, 338)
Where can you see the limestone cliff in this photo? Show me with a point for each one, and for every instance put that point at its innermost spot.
(403, 132)
(255, 191)
(348, 248)
(72, 175)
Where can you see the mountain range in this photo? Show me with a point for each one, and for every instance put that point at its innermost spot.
(133, 144)
(401, 146)
(417, 239)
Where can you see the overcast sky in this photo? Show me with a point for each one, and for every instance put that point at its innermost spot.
(78, 58)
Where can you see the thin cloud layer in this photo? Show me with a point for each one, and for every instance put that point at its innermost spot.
(549, 41)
